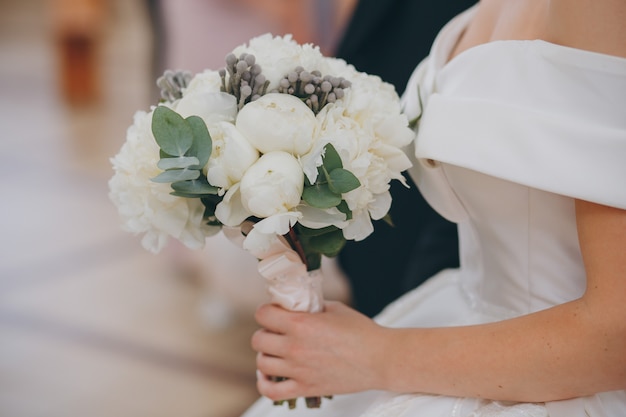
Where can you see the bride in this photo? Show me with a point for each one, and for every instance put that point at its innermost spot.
(522, 142)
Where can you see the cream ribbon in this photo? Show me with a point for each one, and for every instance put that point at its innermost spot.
(289, 283)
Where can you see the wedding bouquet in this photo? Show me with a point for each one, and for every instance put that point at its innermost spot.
(287, 151)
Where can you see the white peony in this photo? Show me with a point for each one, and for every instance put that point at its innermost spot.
(278, 122)
(208, 81)
(230, 211)
(232, 155)
(375, 105)
(316, 218)
(210, 107)
(262, 238)
(272, 185)
(147, 207)
(203, 97)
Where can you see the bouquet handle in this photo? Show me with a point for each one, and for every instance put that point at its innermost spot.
(294, 288)
(290, 285)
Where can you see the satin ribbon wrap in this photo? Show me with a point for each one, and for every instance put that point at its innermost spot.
(289, 283)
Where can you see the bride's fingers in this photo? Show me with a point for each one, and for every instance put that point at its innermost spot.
(268, 343)
(272, 318)
(284, 389)
(271, 365)
(276, 390)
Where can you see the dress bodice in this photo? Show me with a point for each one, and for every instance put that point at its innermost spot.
(511, 133)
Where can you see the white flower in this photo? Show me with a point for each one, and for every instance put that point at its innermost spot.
(272, 185)
(278, 56)
(375, 105)
(315, 218)
(146, 206)
(361, 226)
(211, 107)
(262, 239)
(208, 81)
(230, 211)
(232, 155)
(278, 122)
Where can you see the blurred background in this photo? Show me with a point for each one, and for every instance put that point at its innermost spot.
(90, 323)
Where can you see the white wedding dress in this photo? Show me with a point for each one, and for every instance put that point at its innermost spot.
(512, 133)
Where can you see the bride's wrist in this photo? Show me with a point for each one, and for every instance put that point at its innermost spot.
(388, 362)
(401, 365)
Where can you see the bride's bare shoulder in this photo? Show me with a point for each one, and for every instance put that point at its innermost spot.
(591, 25)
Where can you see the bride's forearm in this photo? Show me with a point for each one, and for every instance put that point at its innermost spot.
(574, 349)
(539, 357)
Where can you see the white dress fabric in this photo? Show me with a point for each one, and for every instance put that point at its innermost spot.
(512, 132)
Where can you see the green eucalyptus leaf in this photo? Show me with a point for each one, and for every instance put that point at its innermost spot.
(331, 159)
(329, 244)
(343, 207)
(163, 154)
(185, 195)
(175, 175)
(313, 261)
(320, 196)
(178, 162)
(210, 203)
(342, 181)
(171, 131)
(202, 145)
(306, 231)
(196, 187)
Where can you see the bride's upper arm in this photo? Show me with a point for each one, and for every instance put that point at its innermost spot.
(602, 236)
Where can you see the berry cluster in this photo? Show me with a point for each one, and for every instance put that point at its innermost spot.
(172, 84)
(245, 80)
(314, 89)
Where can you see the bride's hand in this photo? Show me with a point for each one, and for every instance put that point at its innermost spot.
(333, 352)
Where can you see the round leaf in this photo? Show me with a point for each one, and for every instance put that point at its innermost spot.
(171, 132)
(179, 162)
(307, 231)
(343, 207)
(320, 196)
(202, 145)
(175, 175)
(329, 244)
(342, 181)
(195, 187)
(331, 159)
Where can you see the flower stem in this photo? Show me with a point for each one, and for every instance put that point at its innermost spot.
(296, 245)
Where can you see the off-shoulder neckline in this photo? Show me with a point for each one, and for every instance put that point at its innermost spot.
(565, 54)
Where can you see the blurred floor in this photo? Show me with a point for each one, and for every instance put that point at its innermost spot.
(90, 323)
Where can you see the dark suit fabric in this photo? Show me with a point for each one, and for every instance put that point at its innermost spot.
(389, 38)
